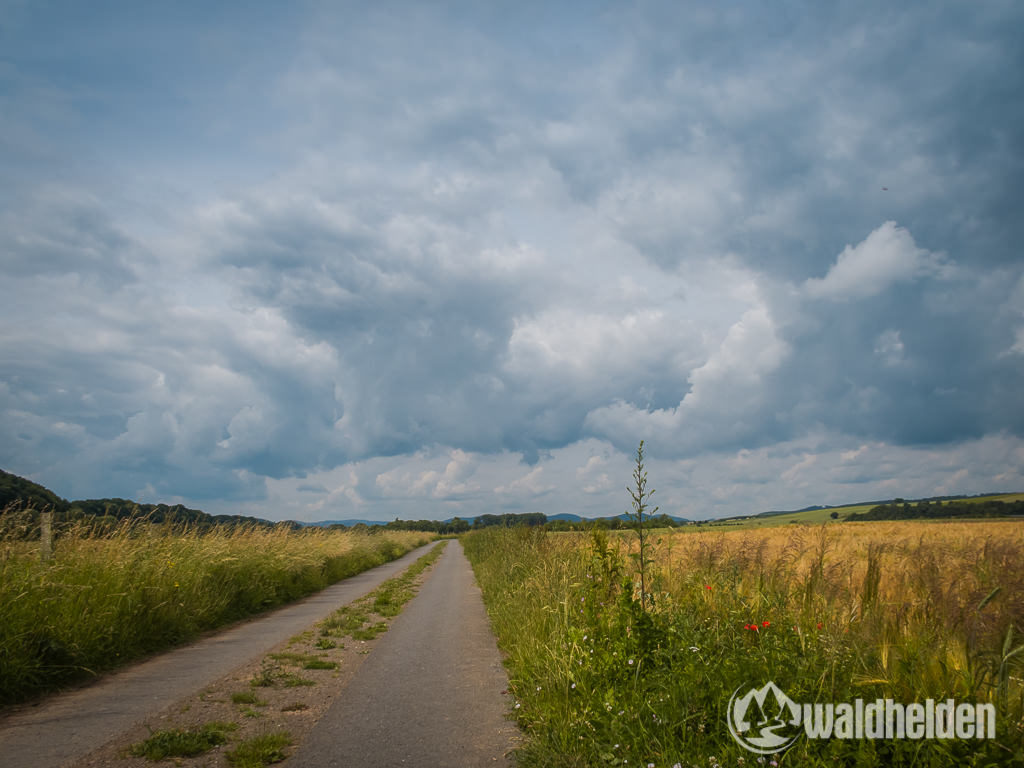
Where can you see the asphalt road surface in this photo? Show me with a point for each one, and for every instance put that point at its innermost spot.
(430, 694)
(66, 727)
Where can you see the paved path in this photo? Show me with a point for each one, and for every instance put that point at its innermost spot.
(68, 726)
(430, 692)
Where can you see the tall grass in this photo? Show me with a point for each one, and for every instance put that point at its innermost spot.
(106, 599)
(903, 610)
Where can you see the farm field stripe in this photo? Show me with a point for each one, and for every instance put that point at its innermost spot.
(70, 725)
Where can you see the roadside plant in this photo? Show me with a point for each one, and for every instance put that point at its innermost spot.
(183, 743)
(640, 499)
(261, 750)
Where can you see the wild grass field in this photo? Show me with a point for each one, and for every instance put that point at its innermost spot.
(107, 598)
(830, 613)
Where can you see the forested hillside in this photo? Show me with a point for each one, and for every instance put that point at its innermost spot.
(20, 495)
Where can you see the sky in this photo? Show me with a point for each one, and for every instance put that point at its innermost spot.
(330, 260)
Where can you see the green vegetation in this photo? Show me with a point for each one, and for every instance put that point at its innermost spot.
(354, 620)
(441, 527)
(320, 664)
(304, 660)
(247, 697)
(457, 525)
(260, 750)
(907, 611)
(107, 598)
(855, 511)
(19, 493)
(900, 510)
(805, 517)
(273, 675)
(183, 743)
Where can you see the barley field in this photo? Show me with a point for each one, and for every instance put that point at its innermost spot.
(901, 610)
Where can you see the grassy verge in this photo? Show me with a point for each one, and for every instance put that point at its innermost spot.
(906, 611)
(105, 600)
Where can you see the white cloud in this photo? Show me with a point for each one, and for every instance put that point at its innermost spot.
(886, 257)
(736, 371)
(726, 392)
(593, 477)
(530, 484)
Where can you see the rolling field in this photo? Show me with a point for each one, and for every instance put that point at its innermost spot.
(901, 610)
(819, 516)
(809, 517)
(107, 599)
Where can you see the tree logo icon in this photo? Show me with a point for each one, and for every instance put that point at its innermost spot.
(764, 720)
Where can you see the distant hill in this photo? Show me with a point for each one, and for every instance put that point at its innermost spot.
(818, 514)
(875, 503)
(18, 491)
(790, 511)
(963, 508)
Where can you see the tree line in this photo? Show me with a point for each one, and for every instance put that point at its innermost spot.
(924, 510)
(18, 493)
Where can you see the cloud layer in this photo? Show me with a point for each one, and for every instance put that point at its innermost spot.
(422, 262)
